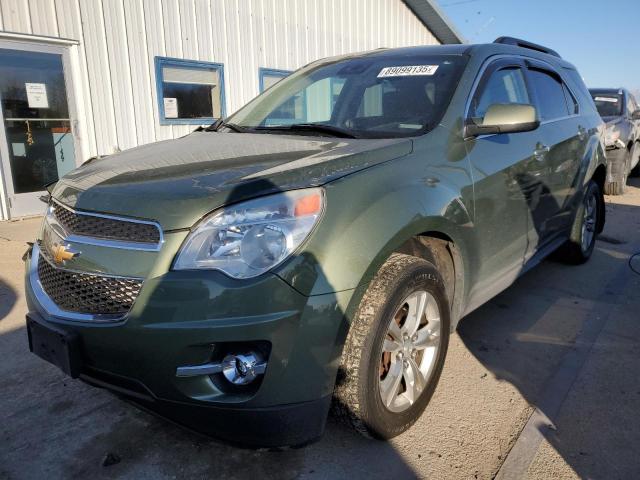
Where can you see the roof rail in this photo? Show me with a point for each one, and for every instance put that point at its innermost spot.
(523, 43)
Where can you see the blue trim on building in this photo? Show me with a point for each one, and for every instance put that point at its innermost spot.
(271, 71)
(187, 64)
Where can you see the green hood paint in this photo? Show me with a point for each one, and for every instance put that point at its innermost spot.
(177, 182)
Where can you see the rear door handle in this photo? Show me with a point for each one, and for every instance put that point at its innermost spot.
(582, 132)
(541, 152)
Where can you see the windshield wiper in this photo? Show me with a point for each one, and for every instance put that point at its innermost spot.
(218, 124)
(310, 127)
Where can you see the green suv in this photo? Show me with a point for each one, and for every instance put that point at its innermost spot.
(319, 246)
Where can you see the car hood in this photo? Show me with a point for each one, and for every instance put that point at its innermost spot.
(176, 182)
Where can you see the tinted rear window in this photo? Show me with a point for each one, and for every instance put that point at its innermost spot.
(608, 105)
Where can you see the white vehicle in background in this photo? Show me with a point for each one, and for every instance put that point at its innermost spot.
(619, 109)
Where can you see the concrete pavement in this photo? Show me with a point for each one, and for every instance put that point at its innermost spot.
(561, 344)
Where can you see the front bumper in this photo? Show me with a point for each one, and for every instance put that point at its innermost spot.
(186, 318)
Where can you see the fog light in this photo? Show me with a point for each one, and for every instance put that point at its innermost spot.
(242, 369)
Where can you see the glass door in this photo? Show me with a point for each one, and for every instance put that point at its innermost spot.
(37, 145)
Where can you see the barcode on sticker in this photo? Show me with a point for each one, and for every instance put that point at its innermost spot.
(408, 70)
(606, 99)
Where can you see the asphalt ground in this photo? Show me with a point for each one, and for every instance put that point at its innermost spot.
(541, 382)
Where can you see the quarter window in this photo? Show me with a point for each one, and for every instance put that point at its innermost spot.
(572, 103)
(188, 91)
(503, 87)
(550, 95)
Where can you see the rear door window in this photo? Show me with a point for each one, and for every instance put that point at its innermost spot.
(550, 95)
(608, 105)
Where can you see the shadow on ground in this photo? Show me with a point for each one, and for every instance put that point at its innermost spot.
(7, 299)
(536, 327)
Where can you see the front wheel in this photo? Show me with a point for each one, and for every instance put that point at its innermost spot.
(395, 350)
(619, 174)
(582, 241)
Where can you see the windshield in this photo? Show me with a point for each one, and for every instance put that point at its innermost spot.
(608, 105)
(371, 97)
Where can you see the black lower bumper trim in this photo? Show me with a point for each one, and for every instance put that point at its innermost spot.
(294, 425)
(117, 384)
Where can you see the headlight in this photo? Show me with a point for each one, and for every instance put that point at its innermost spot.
(250, 238)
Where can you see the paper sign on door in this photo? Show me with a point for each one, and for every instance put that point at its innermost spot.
(37, 95)
(170, 108)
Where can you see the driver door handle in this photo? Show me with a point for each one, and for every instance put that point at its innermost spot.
(541, 152)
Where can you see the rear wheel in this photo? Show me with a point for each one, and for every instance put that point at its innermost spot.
(395, 350)
(580, 246)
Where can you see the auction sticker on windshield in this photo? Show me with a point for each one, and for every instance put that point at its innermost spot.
(407, 70)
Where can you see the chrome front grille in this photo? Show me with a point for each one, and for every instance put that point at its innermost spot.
(106, 227)
(86, 293)
(62, 271)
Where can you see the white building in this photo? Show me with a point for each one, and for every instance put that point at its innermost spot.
(80, 78)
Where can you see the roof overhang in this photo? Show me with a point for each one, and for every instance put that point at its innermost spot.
(435, 20)
(27, 37)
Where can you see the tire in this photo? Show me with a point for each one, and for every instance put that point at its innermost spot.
(585, 227)
(619, 175)
(402, 282)
(635, 153)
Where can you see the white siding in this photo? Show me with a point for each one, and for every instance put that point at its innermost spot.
(119, 40)
(43, 18)
(141, 71)
(16, 16)
(70, 26)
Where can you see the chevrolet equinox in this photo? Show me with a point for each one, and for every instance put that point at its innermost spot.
(317, 248)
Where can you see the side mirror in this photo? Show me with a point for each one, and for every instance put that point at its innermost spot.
(505, 118)
(635, 115)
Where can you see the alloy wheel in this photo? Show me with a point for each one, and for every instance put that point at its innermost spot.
(409, 351)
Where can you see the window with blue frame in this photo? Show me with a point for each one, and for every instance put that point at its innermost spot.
(293, 110)
(270, 76)
(189, 92)
(312, 104)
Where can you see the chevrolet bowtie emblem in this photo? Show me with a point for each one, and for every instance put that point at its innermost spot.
(61, 254)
